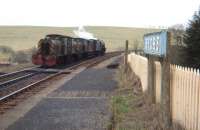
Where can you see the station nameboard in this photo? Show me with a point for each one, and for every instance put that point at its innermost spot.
(155, 43)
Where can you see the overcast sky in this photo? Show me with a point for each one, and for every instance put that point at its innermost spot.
(129, 13)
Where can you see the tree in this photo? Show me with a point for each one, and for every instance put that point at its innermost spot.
(177, 45)
(177, 31)
(192, 42)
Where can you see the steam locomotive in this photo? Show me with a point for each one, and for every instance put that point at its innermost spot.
(57, 49)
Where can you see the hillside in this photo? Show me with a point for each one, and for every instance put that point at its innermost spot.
(25, 37)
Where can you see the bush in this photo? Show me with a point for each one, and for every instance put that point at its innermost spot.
(6, 49)
(33, 50)
(20, 57)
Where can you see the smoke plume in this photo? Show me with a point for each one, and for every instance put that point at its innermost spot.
(82, 33)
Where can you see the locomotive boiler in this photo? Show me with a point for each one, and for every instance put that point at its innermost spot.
(57, 49)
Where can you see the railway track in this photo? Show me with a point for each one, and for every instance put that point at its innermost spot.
(13, 90)
(16, 74)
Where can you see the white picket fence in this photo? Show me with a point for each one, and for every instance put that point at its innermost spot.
(185, 91)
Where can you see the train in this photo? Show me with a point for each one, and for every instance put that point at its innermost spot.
(55, 49)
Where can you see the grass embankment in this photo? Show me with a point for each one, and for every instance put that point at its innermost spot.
(131, 108)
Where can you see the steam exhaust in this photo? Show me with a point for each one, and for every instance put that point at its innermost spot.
(82, 33)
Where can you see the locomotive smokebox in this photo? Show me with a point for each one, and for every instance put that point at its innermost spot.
(37, 59)
(50, 61)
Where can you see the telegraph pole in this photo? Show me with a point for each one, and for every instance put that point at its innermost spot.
(151, 84)
(126, 57)
(165, 86)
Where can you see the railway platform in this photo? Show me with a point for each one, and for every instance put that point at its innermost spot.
(79, 101)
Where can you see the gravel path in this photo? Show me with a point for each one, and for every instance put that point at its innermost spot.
(80, 104)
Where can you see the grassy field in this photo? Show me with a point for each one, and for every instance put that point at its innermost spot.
(25, 37)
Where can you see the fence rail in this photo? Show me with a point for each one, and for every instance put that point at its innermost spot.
(185, 91)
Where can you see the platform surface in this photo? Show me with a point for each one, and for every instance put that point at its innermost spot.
(80, 104)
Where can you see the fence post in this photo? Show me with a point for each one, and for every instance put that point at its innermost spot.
(126, 57)
(165, 86)
(151, 70)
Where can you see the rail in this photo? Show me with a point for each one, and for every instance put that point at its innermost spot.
(87, 63)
